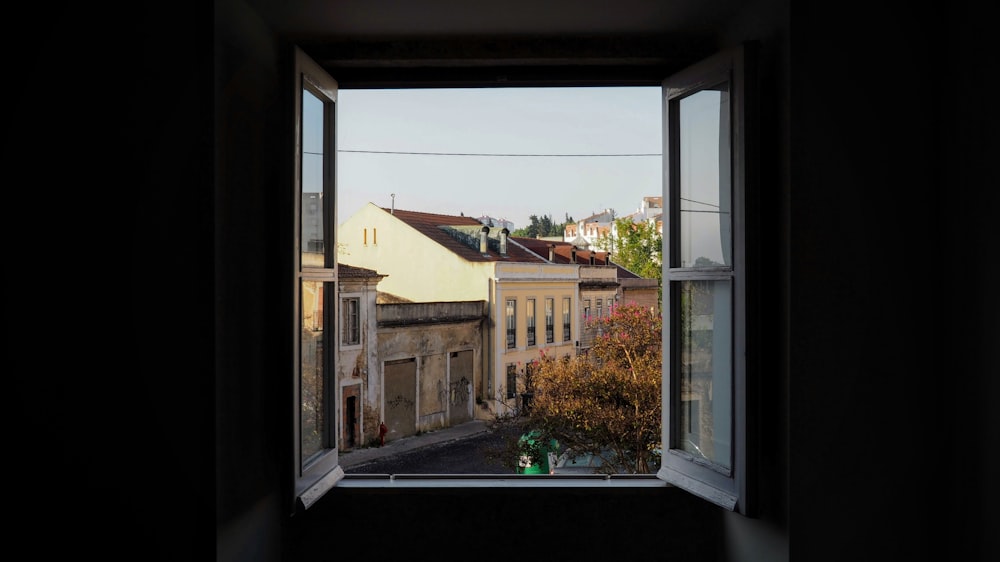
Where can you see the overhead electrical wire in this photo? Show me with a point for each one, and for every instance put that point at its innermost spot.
(491, 153)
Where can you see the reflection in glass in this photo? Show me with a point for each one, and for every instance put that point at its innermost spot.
(566, 319)
(313, 156)
(705, 179)
(549, 320)
(313, 416)
(706, 370)
(530, 311)
(511, 324)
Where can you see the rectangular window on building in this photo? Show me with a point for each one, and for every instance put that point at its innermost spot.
(511, 381)
(352, 321)
(530, 316)
(600, 305)
(566, 319)
(550, 320)
(511, 324)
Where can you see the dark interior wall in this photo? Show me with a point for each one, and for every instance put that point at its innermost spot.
(253, 193)
(765, 536)
(970, 369)
(504, 524)
(887, 388)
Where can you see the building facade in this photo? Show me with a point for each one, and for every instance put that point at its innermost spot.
(358, 385)
(431, 257)
(429, 355)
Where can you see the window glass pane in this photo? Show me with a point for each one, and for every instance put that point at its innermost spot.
(312, 384)
(511, 325)
(511, 380)
(313, 152)
(705, 179)
(566, 319)
(706, 370)
(530, 312)
(549, 320)
(352, 321)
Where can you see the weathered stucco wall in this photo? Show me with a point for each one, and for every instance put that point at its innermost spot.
(432, 333)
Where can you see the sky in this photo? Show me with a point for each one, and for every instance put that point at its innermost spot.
(508, 153)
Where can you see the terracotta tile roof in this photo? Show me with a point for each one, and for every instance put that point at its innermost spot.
(345, 271)
(562, 253)
(460, 235)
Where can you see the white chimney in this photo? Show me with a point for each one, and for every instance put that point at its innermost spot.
(503, 241)
(483, 237)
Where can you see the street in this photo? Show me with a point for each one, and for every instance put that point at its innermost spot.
(465, 456)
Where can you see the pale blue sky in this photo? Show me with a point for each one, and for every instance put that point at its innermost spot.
(609, 121)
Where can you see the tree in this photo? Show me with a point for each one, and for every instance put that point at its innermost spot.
(638, 248)
(605, 402)
(543, 226)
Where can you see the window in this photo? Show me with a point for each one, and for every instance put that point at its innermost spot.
(566, 319)
(549, 320)
(316, 465)
(511, 324)
(705, 388)
(352, 321)
(704, 373)
(530, 316)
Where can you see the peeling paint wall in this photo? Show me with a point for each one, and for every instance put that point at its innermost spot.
(432, 333)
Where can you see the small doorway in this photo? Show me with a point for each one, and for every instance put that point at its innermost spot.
(351, 413)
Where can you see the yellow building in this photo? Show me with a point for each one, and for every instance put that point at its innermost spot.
(429, 257)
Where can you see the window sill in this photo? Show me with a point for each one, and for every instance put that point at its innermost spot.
(501, 481)
(706, 491)
(321, 487)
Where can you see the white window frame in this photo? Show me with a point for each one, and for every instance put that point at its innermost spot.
(728, 487)
(321, 472)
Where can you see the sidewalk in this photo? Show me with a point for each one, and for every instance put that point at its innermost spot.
(364, 455)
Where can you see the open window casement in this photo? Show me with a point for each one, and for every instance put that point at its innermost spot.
(314, 283)
(706, 111)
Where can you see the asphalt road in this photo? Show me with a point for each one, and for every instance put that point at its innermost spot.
(465, 456)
